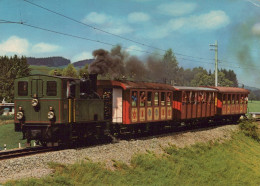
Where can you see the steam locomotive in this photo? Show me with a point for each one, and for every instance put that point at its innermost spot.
(59, 110)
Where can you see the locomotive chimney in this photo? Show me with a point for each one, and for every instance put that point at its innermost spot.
(93, 81)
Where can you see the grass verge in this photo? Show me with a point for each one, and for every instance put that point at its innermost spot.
(235, 162)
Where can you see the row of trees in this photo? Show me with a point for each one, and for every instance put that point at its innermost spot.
(11, 68)
(164, 70)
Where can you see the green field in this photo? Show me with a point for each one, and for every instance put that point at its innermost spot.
(254, 106)
(235, 162)
(9, 137)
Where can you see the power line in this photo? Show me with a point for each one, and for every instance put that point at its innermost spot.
(101, 30)
(75, 36)
(97, 41)
(93, 27)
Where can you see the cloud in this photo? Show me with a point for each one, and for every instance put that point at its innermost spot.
(209, 21)
(94, 17)
(158, 32)
(44, 48)
(176, 8)
(109, 23)
(14, 45)
(256, 29)
(212, 20)
(136, 17)
(82, 56)
(135, 50)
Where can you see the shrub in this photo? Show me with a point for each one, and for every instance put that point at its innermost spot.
(250, 128)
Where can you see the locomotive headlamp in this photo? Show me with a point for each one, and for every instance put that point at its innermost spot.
(19, 115)
(35, 102)
(51, 115)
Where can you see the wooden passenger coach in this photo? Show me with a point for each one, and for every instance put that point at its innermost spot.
(136, 102)
(231, 100)
(193, 103)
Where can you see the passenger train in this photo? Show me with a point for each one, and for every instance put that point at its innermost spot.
(57, 110)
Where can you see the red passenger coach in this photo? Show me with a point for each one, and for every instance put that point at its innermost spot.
(231, 101)
(136, 102)
(193, 103)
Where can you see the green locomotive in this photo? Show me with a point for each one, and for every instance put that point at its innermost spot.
(51, 109)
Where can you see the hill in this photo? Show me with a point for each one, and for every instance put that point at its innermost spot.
(82, 63)
(49, 61)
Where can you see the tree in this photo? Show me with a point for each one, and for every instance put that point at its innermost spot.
(11, 68)
(83, 71)
(171, 68)
(54, 72)
(231, 75)
(70, 71)
(202, 79)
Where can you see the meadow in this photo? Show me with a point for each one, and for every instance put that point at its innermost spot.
(254, 106)
(8, 136)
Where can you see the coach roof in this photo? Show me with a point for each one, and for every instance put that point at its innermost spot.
(183, 88)
(135, 85)
(231, 90)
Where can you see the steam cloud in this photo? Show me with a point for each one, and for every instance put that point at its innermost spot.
(118, 63)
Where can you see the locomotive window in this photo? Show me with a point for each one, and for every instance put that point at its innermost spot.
(156, 98)
(22, 88)
(162, 98)
(51, 88)
(71, 89)
(142, 98)
(168, 98)
(134, 98)
(149, 99)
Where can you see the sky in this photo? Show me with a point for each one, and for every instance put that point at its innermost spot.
(141, 27)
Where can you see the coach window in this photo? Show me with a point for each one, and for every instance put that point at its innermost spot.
(228, 99)
(208, 97)
(236, 98)
(134, 98)
(195, 97)
(184, 97)
(51, 88)
(224, 99)
(149, 99)
(169, 98)
(162, 98)
(22, 88)
(156, 98)
(142, 99)
(233, 99)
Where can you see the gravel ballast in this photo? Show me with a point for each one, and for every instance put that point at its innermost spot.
(37, 165)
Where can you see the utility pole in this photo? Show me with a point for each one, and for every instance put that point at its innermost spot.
(215, 47)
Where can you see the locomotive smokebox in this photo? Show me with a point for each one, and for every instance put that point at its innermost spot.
(93, 82)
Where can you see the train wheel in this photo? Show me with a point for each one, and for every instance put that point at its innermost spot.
(43, 143)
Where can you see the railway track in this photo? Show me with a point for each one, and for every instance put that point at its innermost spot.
(24, 152)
